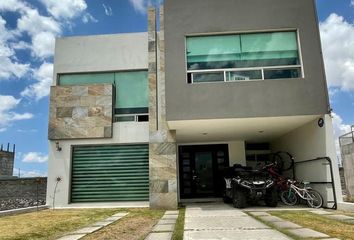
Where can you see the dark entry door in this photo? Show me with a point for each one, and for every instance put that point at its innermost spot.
(199, 168)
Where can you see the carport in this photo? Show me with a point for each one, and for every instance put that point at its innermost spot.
(207, 144)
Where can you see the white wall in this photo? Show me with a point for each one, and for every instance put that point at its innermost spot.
(237, 153)
(97, 53)
(332, 153)
(308, 142)
(59, 164)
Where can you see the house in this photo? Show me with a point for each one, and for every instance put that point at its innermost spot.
(142, 119)
(346, 143)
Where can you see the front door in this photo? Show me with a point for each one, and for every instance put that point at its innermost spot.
(199, 168)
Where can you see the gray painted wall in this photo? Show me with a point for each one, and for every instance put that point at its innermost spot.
(285, 97)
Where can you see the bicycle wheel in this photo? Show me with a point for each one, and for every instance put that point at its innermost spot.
(289, 197)
(314, 199)
(283, 160)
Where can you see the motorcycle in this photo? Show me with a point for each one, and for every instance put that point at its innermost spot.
(244, 185)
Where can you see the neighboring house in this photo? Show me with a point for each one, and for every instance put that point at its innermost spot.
(7, 158)
(150, 118)
(346, 142)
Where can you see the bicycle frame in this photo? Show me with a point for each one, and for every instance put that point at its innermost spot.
(301, 192)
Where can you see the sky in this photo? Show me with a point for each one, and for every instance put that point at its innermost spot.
(27, 38)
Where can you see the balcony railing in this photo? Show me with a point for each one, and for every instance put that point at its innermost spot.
(241, 74)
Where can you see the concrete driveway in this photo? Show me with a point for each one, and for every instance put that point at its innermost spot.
(211, 221)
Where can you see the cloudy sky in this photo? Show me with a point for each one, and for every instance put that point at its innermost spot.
(28, 29)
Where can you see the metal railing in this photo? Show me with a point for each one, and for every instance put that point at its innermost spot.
(329, 162)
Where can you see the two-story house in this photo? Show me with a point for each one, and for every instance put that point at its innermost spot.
(150, 118)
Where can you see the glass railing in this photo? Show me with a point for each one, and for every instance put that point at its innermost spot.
(243, 74)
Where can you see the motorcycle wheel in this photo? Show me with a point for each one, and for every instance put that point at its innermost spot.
(316, 200)
(226, 199)
(271, 197)
(289, 197)
(239, 199)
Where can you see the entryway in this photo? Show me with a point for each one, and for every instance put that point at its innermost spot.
(200, 170)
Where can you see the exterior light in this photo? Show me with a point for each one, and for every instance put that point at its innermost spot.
(57, 146)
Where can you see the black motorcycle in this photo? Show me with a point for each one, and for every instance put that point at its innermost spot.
(244, 185)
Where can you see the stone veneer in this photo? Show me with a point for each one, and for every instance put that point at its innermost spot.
(162, 146)
(81, 111)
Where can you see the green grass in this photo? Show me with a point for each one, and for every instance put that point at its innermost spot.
(179, 228)
(333, 228)
(49, 224)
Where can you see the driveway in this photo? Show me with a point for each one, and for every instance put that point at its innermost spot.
(212, 221)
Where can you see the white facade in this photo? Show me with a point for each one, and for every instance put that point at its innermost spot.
(102, 53)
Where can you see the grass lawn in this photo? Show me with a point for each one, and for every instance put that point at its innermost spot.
(348, 199)
(135, 226)
(49, 224)
(333, 228)
(179, 227)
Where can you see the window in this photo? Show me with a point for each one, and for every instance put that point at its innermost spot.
(242, 57)
(131, 103)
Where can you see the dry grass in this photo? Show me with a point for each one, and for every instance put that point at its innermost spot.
(348, 199)
(333, 228)
(135, 226)
(49, 224)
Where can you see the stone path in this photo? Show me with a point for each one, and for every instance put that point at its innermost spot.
(163, 230)
(220, 221)
(333, 216)
(93, 227)
(293, 228)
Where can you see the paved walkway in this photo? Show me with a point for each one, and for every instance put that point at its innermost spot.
(163, 230)
(220, 221)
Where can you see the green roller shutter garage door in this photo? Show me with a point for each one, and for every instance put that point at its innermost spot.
(110, 173)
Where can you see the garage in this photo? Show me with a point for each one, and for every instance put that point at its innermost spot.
(110, 173)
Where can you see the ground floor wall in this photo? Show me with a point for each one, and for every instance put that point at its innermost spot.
(60, 166)
(309, 141)
(313, 140)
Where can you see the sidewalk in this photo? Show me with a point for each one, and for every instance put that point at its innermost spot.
(221, 221)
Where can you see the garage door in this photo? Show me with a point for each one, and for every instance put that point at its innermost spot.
(110, 173)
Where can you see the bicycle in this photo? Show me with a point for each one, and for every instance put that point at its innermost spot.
(290, 197)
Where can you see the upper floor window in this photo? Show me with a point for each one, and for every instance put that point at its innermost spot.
(131, 96)
(238, 57)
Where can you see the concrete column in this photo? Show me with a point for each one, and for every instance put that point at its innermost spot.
(162, 144)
